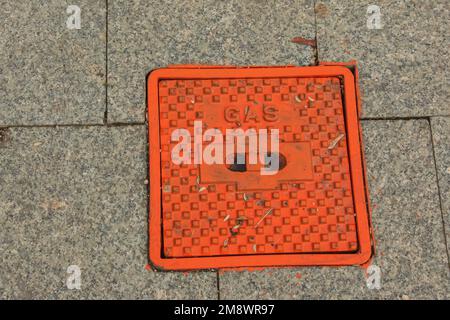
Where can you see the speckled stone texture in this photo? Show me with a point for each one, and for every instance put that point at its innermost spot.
(408, 230)
(441, 138)
(77, 196)
(48, 73)
(404, 67)
(144, 35)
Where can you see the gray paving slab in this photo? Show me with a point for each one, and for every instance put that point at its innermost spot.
(48, 73)
(144, 35)
(408, 229)
(441, 142)
(404, 66)
(77, 196)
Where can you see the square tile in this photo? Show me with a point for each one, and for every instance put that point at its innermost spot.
(404, 67)
(144, 35)
(50, 74)
(78, 196)
(407, 223)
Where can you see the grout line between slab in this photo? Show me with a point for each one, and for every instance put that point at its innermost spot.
(105, 116)
(439, 192)
(218, 283)
(76, 125)
(316, 48)
(119, 124)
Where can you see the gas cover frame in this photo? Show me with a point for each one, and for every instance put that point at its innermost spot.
(357, 169)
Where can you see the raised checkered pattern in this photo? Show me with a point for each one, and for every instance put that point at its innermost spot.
(303, 216)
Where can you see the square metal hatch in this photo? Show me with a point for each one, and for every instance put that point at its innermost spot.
(313, 211)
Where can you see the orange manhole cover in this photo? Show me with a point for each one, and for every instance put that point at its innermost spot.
(215, 202)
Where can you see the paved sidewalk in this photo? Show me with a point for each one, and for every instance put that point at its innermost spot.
(73, 143)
